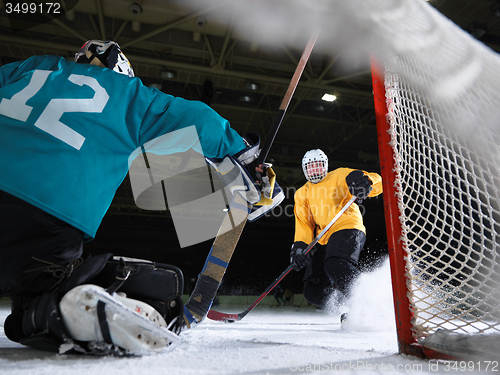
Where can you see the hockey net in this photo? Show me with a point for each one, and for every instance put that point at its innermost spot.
(438, 113)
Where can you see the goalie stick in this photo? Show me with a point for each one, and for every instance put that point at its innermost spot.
(200, 300)
(231, 318)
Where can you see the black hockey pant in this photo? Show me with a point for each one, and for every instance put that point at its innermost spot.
(32, 242)
(334, 267)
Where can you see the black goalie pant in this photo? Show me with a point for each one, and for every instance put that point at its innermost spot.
(334, 267)
(30, 241)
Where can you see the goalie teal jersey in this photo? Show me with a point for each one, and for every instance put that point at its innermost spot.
(67, 131)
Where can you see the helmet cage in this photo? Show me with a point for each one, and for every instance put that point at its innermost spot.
(315, 166)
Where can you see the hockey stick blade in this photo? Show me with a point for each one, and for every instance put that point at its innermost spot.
(223, 317)
(200, 300)
(230, 318)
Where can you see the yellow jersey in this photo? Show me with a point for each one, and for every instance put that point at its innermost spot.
(317, 204)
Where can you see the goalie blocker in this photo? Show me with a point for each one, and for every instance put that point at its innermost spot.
(108, 305)
(238, 175)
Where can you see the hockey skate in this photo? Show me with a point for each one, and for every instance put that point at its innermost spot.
(343, 321)
(92, 315)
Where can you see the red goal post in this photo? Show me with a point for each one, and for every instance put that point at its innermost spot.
(443, 236)
(407, 342)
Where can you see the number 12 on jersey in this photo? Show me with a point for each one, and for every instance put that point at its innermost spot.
(49, 119)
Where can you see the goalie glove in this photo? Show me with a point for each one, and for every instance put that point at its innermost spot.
(265, 181)
(235, 178)
(271, 196)
(359, 185)
(239, 175)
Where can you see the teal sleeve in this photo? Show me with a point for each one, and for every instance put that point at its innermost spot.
(14, 71)
(167, 113)
(7, 73)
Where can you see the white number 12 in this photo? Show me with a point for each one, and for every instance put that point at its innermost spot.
(49, 120)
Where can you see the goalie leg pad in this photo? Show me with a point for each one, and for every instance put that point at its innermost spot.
(92, 315)
(154, 289)
(157, 284)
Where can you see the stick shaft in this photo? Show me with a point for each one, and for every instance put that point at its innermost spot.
(287, 98)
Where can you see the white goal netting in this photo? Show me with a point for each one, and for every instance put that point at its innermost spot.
(444, 115)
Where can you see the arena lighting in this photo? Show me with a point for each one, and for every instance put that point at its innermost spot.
(328, 97)
(167, 74)
(246, 98)
(251, 86)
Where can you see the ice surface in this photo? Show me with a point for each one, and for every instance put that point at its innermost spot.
(269, 340)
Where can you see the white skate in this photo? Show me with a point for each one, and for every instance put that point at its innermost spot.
(133, 325)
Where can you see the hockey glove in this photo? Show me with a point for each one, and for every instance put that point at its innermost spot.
(235, 178)
(262, 175)
(266, 205)
(238, 174)
(298, 258)
(359, 185)
(248, 158)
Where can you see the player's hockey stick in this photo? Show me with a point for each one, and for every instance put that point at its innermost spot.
(231, 318)
(196, 308)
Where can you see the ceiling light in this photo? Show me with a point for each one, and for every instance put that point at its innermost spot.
(251, 86)
(136, 26)
(328, 97)
(155, 85)
(167, 74)
(245, 98)
(196, 36)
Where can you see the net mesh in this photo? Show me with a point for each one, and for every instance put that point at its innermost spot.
(443, 113)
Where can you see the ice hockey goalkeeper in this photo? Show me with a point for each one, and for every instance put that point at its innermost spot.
(67, 129)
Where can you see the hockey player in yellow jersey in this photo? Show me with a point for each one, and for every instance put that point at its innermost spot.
(332, 264)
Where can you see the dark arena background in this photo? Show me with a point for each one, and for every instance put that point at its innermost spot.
(207, 52)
